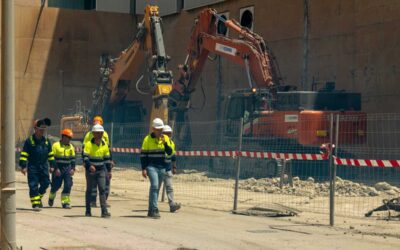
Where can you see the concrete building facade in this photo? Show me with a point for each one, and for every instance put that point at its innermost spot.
(352, 42)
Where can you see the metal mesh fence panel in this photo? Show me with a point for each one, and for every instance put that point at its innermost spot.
(367, 174)
(280, 161)
(290, 174)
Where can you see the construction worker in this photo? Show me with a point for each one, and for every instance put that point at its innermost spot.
(155, 147)
(97, 159)
(171, 165)
(64, 154)
(89, 136)
(34, 159)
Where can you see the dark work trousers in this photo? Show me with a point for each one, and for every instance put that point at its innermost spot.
(93, 181)
(107, 191)
(56, 181)
(38, 180)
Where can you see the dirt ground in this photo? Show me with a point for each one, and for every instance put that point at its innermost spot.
(204, 222)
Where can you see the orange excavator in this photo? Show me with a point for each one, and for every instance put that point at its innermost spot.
(109, 98)
(117, 74)
(272, 111)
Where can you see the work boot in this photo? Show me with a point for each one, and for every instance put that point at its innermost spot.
(174, 207)
(66, 206)
(51, 202)
(88, 213)
(93, 204)
(154, 214)
(36, 208)
(105, 214)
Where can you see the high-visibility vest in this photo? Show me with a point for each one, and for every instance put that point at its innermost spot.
(98, 156)
(64, 155)
(154, 151)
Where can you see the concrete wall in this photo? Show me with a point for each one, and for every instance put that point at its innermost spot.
(119, 6)
(60, 65)
(353, 42)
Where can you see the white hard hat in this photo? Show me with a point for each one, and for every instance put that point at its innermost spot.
(167, 129)
(158, 123)
(97, 128)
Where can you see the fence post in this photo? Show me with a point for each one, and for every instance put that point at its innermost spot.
(238, 166)
(332, 176)
(112, 135)
(289, 169)
(282, 163)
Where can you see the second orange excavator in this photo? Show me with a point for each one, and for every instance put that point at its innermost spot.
(299, 117)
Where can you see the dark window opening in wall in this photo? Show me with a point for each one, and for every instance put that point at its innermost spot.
(246, 19)
(90, 4)
(73, 4)
(221, 28)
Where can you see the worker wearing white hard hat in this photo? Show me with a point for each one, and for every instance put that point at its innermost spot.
(171, 161)
(155, 148)
(97, 160)
(89, 136)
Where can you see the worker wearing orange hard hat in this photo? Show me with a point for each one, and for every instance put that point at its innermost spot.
(88, 137)
(64, 154)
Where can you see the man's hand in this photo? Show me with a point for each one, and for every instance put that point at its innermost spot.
(109, 175)
(51, 169)
(174, 167)
(92, 169)
(57, 172)
(162, 139)
(24, 170)
(144, 173)
(72, 172)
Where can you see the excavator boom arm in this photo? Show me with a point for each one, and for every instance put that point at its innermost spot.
(250, 51)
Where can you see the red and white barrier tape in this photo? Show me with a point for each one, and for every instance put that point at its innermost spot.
(269, 155)
(368, 163)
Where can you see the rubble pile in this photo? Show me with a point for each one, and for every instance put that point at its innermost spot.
(310, 188)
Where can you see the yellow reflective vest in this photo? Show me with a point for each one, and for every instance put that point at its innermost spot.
(64, 155)
(98, 156)
(154, 151)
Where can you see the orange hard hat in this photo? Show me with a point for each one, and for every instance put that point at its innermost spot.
(67, 132)
(98, 119)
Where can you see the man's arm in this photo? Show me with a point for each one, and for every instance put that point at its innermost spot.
(23, 158)
(86, 153)
(73, 157)
(107, 159)
(167, 146)
(144, 154)
(50, 155)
